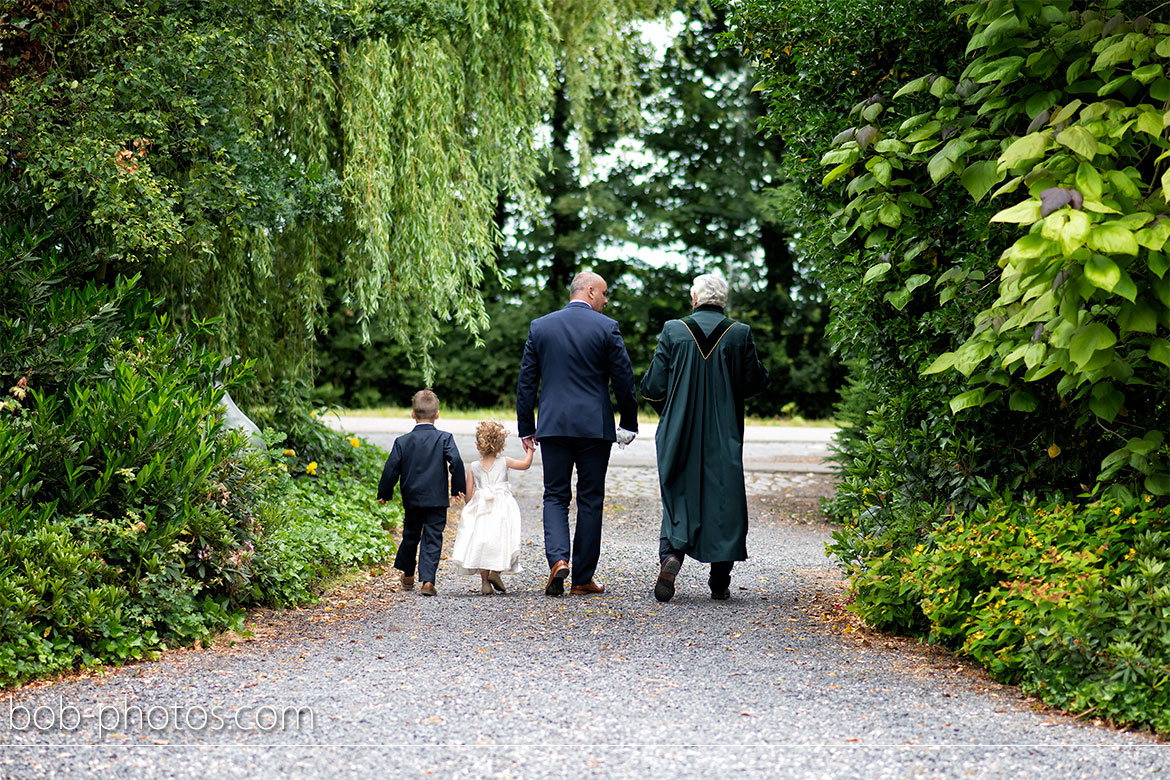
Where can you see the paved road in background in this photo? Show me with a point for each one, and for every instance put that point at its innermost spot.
(778, 682)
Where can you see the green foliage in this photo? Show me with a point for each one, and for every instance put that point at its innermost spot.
(328, 522)
(995, 256)
(695, 186)
(1083, 309)
(1068, 600)
(129, 520)
(240, 154)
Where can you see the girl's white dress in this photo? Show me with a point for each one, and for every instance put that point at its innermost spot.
(489, 526)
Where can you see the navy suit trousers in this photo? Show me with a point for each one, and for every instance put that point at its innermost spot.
(421, 526)
(559, 454)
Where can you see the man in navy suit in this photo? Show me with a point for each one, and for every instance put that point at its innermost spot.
(421, 460)
(571, 358)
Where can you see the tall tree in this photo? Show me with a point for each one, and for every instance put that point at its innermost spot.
(702, 180)
(240, 153)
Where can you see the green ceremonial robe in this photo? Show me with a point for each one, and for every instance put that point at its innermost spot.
(703, 369)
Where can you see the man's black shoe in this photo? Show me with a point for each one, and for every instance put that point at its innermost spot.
(664, 587)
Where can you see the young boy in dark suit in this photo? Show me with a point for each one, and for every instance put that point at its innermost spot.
(421, 460)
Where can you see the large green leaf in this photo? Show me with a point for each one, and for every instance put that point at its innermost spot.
(971, 354)
(1114, 238)
(1030, 147)
(1029, 247)
(1148, 73)
(940, 166)
(1066, 112)
(967, 400)
(1024, 212)
(1089, 340)
(890, 214)
(1102, 272)
(876, 272)
(1080, 140)
(1149, 121)
(898, 298)
(1138, 318)
(1075, 230)
(1160, 351)
(1158, 264)
(1106, 401)
(916, 281)
(1156, 236)
(1089, 181)
(941, 363)
(917, 85)
(836, 173)
(980, 177)
(1158, 483)
(1125, 287)
(1022, 401)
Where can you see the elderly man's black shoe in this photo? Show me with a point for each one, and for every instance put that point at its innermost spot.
(664, 587)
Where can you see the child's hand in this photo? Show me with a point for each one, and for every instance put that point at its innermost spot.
(382, 501)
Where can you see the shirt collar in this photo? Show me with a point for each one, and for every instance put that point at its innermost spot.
(574, 303)
(424, 425)
(708, 307)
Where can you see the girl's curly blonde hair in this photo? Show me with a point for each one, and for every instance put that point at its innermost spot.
(489, 438)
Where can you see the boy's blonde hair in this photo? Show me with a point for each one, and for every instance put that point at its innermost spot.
(489, 437)
(425, 405)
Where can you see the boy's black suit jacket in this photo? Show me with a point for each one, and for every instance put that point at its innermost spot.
(421, 459)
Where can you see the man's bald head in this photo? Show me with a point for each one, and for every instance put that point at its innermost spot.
(589, 287)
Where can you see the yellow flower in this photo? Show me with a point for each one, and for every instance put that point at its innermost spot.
(355, 441)
(1116, 510)
(291, 453)
(313, 415)
(311, 468)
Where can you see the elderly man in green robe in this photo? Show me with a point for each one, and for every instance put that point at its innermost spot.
(703, 369)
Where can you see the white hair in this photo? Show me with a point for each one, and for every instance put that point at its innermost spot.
(709, 289)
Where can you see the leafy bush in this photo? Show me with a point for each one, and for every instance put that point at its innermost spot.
(129, 519)
(1070, 600)
(1010, 389)
(328, 519)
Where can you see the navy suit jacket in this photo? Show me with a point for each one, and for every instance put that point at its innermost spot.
(571, 358)
(421, 460)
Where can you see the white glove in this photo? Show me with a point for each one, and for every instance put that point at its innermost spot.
(624, 437)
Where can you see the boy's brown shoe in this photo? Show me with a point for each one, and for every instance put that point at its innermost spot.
(407, 582)
(427, 589)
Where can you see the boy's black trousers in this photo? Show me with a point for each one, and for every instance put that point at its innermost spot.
(422, 538)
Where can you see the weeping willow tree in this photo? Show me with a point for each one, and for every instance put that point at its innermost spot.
(242, 154)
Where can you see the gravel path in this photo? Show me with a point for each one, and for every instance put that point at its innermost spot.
(776, 682)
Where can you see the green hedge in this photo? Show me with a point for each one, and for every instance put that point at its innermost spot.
(1070, 600)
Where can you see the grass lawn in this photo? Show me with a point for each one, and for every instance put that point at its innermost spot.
(509, 413)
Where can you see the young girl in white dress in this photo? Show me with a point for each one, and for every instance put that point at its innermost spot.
(488, 540)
